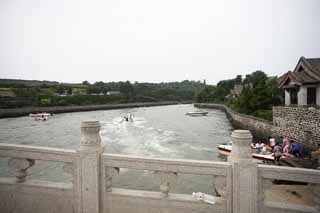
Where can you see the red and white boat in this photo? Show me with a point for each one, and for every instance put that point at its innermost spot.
(226, 149)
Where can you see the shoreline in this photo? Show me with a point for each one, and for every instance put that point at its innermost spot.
(18, 112)
(261, 129)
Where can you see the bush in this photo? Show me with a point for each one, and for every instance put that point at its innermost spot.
(62, 102)
(265, 114)
(45, 102)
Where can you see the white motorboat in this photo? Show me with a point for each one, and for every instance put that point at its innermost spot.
(40, 114)
(41, 118)
(197, 113)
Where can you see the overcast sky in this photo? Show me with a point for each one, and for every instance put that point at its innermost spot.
(154, 40)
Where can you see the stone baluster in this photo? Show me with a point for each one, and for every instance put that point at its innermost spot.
(316, 194)
(220, 186)
(88, 169)
(68, 168)
(264, 185)
(110, 172)
(20, 167)
(165, 183)
(245, 173)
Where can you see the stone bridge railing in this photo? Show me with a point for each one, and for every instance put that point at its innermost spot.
(240, 184)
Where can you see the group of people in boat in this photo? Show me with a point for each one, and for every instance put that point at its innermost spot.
(285, 148)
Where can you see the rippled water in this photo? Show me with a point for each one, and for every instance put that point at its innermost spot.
(163, 131)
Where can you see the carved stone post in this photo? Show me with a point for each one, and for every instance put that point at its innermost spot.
(89, 167)
(245, 173)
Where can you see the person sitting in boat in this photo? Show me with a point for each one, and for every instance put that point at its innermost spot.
(126, 118)
(286, 145)
(277, 153)
(259, 147)
(285, 141)
(272, 142)
(295, 148)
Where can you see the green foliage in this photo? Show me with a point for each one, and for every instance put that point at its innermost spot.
(46, 93)
(45, 102)
(257, 97)
(232, 103)
(264, 114)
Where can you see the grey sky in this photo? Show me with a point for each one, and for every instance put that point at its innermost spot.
(154, 41)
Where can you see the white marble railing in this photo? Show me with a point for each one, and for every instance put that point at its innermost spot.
(19, 194)
(220, 172)
(269, 173)
(239, 183)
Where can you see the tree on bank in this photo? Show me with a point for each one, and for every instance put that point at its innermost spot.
(257, 97)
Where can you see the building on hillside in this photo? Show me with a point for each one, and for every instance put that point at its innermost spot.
(302, 86)
(79, 91)
(236, 91)
(114, 93)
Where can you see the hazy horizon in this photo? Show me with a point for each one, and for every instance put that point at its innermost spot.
(72, 41)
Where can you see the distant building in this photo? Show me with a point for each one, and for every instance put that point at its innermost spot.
(114, 93)
(100, 94)
(79, 91)
(236, 91)
(7, 93)
(302, 86)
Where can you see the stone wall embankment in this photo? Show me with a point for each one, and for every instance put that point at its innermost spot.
(260, 128)
(299, 123)
(16, 112)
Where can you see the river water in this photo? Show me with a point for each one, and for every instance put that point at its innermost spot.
(163, 131)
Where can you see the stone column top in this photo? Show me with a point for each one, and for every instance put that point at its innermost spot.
(241, 150)
(90, 124)
(241, 133)
(90, 134)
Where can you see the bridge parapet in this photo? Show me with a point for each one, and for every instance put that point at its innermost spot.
(219, 171)
(239, 184)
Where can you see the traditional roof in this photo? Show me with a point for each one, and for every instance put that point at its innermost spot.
(307, 71)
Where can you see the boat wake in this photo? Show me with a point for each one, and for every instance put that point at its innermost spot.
(136, 138)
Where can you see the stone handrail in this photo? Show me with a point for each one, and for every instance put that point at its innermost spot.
(268, 173)
(289, 174)
(221, 173)
(166, 165)
(22, 157)
(36, 152)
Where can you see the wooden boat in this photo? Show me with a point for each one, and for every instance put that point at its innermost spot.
(197, 113)
(226, 149)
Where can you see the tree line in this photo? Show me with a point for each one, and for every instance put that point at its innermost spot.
(258, 94)
(46, 93)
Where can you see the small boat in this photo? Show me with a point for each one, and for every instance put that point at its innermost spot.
(226, 149)
(41, 118)
(40, 114)
(197, 113)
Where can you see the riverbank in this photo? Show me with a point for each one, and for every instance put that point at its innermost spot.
(260, 128)
(17, 112)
